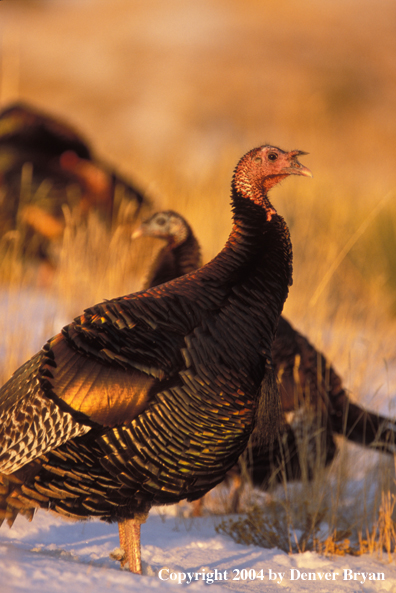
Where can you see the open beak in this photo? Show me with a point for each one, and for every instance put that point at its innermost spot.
(295, 167)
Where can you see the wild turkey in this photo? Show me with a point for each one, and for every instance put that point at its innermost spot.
(181, 253)
(314, 401)
(151, 398)
(45, 165)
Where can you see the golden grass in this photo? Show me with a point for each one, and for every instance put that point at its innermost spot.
(323, 515)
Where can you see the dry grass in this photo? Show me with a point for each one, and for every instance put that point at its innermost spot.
(382, 535)
(325, 515)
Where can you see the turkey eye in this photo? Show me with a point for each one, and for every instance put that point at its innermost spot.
(272, 156)
(161, 221)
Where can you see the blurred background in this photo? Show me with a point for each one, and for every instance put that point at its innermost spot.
(172, 94)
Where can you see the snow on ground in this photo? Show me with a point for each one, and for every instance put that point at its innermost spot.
(53, 556)
(32, 315)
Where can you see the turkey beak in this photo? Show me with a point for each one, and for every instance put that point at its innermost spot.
(295, 167)
(137, 233)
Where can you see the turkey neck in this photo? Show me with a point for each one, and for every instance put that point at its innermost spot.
(247, 281)
(257, 255)
(188, 254)
(174, 261)
(260, 228)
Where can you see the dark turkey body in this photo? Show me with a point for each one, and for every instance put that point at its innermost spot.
(32, 147)
(173, 262)
(316, 407)
(198, 354)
